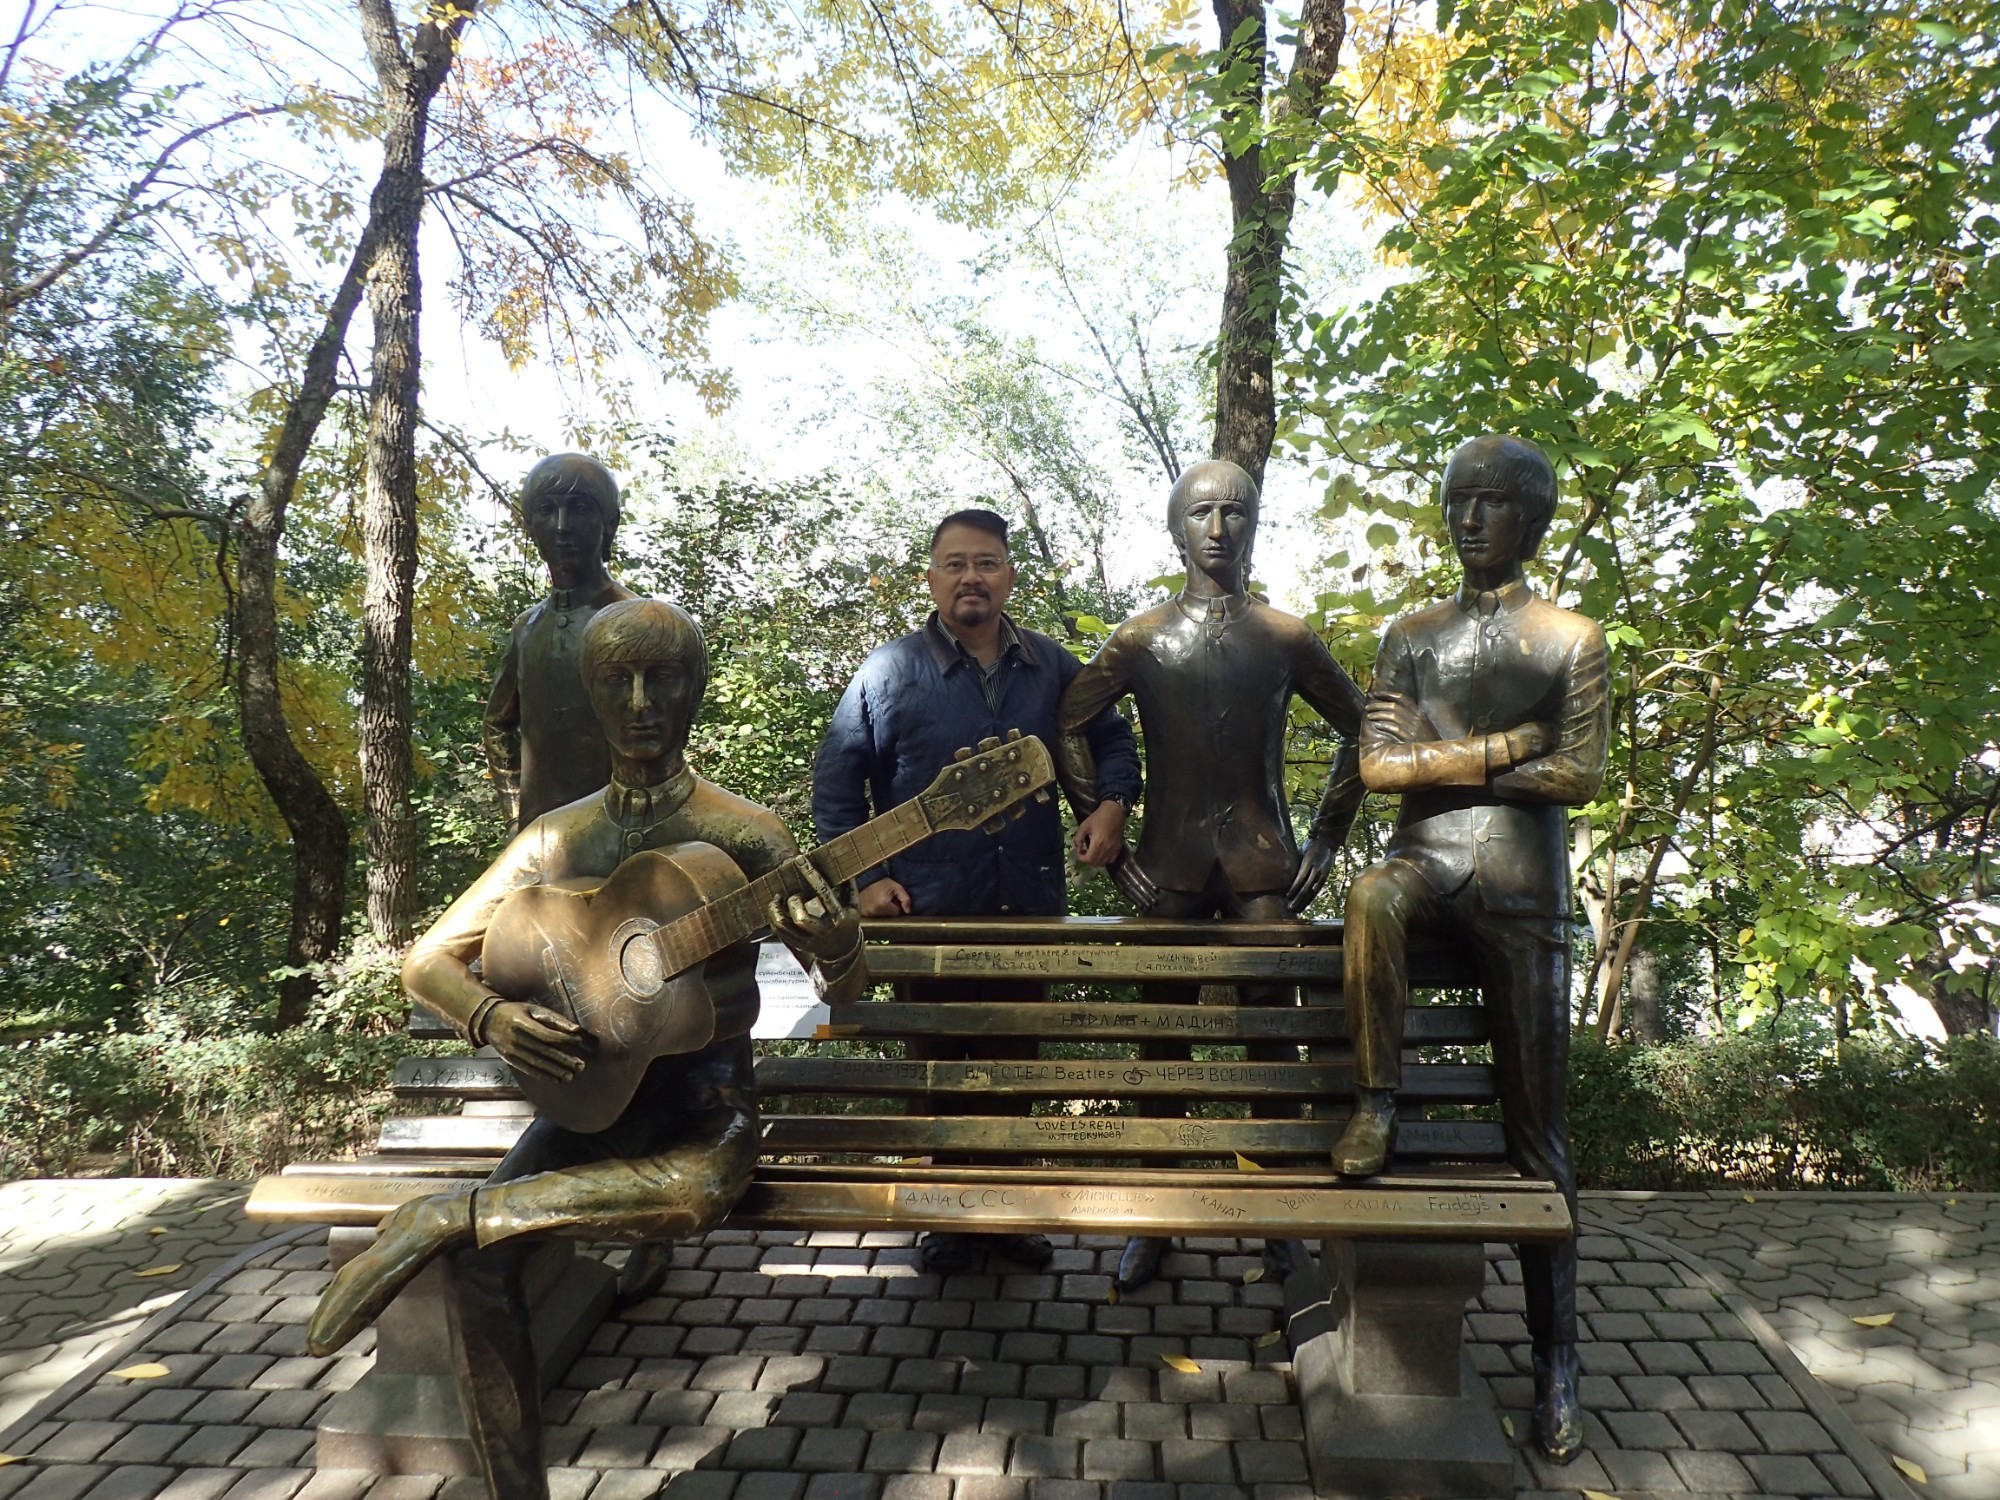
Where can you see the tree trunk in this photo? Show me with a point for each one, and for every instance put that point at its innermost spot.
(409, 81)
(1643, 1017)
(318, 826)
(1263, 189)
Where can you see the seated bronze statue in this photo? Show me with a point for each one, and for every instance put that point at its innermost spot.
(1489, 713)
(674, 1147)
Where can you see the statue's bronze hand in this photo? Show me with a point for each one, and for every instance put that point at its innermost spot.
(826, 924)
(539, 1041)
(1530, 741)
(1134, 882)
(1312, 872)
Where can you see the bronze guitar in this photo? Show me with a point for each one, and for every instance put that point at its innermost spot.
(657, 960)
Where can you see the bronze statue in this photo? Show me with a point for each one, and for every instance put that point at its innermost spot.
(543, 742)
(1214, 671)
(676, 1158)
(1489, 713)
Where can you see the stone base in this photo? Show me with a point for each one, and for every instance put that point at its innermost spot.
(403, 1417)
(1392, 1407)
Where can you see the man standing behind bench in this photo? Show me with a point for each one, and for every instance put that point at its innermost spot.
(969, 673)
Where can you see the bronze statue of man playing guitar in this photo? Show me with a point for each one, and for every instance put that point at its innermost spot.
(670, 1158)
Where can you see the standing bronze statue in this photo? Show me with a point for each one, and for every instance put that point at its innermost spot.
(1214, 671)
(679, 1154)
(543, 743)
(1489, 713)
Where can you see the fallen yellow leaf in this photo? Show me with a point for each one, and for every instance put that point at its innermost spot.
(1597, 1495)
(1265, 1341)
(1507, 1426)
(1111, 1295)
(9, 1458)
(1182, 1363)
(1877, 1320)
(1253, 1275)
(159, 1270)
(1748, 1199)
(1912, 1471)
(156, 1229)
(141, 1372)
(1244, 1164)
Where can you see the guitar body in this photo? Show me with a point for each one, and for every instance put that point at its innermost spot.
(589, 954)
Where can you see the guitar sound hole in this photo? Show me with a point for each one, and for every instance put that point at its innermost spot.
(639, 962)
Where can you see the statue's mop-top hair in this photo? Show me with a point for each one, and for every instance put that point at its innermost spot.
(1512, 466)
(1211, 479)
(575, 474)
(641, 632)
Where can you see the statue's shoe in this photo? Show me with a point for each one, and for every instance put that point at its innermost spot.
(404, 1244)
(1140, 1263)
(1365, 1144)
(644, 1272)
(1558, 1410)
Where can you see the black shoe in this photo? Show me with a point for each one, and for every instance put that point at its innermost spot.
(945, 1254)
(644, 1272)
(1558, 1412)
(1140, 1263)
(1031, 1250)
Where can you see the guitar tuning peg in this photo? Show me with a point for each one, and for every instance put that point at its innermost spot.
(1042, 795)
(991, 742)
(1013, 734)
(993, 825)
(1020, 811)
(963, 752)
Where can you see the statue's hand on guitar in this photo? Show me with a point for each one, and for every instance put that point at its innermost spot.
(823, 924)
(534, 1039)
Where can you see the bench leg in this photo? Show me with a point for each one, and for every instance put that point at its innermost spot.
(1391, 1404)
(403, 1417)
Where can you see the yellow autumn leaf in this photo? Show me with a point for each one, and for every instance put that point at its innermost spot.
(167, 1270)
(1253, 1275)
(1507, 1426)
(1111, 1294)
(9, 1458)
(141, 1372)
(1912, 1470)
(1597, 1495)
(1265, 1341)
(1182, 1363)
(1747, 1198)
(1876, 1320)
(156, 1229)
(1244, 1164)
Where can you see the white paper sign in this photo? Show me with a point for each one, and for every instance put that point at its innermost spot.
(790, 1008)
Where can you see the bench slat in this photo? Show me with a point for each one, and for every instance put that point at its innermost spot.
(450, 1135)
(1113, 1078)
(1156, 1202)
(1091, 1020)
(1103, 963)
(1112, 1135)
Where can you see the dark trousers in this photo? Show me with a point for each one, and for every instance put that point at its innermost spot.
(1524, 971)
(972, 1049)
(1216, 900)
(670, 1167)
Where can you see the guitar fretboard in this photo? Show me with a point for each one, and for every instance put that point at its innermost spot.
(701, 934)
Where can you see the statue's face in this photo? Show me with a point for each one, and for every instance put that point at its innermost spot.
(1489, 527)
(1216, 532)
(970, 576)
(566, 527)
(644, 706)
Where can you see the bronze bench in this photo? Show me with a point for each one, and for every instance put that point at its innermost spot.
(841, 1149)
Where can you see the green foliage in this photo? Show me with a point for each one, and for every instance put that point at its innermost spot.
(1737, 275)
(1786, 1113)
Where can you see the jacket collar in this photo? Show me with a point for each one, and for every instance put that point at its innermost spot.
(1510, 596)
(948, 653)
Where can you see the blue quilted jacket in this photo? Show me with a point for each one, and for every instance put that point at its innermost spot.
(916, 701)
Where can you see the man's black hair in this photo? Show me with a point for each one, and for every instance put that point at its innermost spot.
(978, 518)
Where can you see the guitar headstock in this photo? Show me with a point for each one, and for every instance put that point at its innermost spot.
(985, 783)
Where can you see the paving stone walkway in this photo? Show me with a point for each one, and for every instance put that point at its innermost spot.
(781, 1367)
(1925, 1386)
(79, 1268)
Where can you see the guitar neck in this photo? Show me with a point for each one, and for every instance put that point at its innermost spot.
(700, 935)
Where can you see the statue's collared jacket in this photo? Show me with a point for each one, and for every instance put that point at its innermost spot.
(1214, 679)
(1467, 670)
